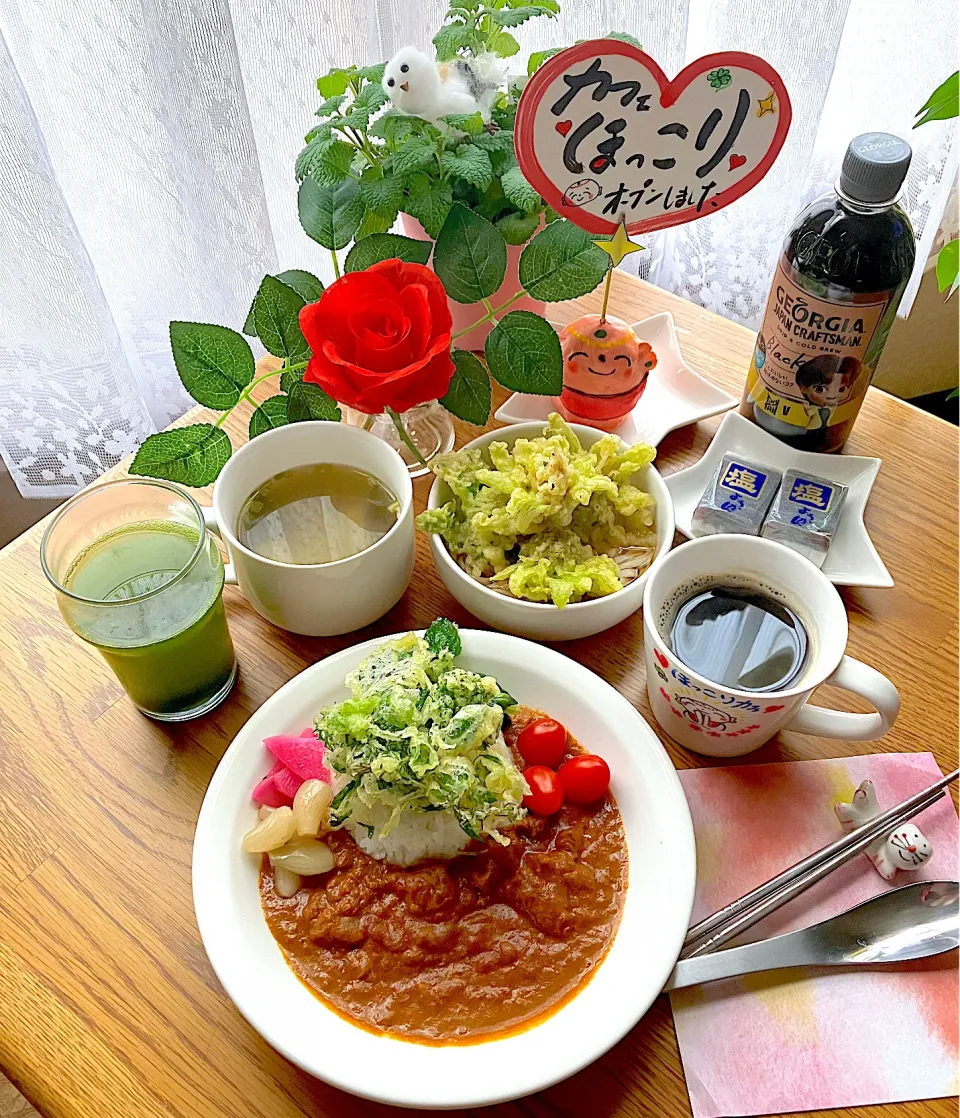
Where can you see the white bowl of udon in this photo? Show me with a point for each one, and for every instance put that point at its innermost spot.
(543, 620)
(656, 904)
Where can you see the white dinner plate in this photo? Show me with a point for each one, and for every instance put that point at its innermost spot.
(852, 559)
(675, 395)
(659, 896)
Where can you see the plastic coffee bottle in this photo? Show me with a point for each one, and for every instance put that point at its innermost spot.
(845, 264)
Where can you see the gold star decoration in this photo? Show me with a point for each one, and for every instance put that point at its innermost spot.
(619, 244)
(767, 105)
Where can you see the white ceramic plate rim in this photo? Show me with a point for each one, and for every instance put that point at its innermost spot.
(654, 430)
(413, 1075)
(856, 562)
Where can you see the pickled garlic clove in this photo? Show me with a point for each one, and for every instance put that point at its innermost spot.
(310, 807)
(305, 856)
(285, 882)
(270, 833)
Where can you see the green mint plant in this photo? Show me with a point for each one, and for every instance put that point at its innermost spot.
(365, 163)
(359, 170)
(522, 353)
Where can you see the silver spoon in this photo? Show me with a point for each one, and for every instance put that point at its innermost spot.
(907, 923)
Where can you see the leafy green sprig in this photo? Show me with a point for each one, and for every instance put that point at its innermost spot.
(944, 104)
(473, 28)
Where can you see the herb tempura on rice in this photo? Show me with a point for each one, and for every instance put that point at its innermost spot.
(408, 869)
(547, 518)
(419, 751)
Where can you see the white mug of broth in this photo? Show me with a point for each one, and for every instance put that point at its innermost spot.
(738, 633)
(318, 520)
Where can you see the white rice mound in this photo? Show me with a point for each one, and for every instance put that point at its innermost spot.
(427, 834)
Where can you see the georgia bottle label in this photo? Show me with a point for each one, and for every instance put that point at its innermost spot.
(813, 359)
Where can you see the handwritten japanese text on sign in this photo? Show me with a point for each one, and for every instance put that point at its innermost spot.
(601, 132)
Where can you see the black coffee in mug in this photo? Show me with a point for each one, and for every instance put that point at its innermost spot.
(739, 637)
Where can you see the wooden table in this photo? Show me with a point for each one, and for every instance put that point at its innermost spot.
(108, 1006)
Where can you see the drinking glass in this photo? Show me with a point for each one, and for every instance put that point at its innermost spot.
(138, 576)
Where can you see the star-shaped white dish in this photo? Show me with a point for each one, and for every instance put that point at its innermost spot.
(852, 559)
(675, 395)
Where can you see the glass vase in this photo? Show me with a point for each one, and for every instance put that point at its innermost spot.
(429, 427)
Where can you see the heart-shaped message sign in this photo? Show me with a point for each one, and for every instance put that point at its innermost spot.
(600, 132)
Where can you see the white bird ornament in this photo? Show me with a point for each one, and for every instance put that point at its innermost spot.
(431, 90)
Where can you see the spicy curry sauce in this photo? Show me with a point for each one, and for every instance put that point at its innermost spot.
(460, 951)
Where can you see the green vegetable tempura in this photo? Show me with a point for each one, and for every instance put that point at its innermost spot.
(547, 516)
(420, 735)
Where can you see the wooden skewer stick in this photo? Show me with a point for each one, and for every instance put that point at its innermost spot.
(606, 293)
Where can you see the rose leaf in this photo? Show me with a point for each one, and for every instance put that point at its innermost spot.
(523, 353)
(276, 315)
(374, 222)
(214, 362)
(306, 285)
(561, 262)
(309, 401)
(470, 256)
(271, 413)
(289, 377)
(468, 396)
(192, 455)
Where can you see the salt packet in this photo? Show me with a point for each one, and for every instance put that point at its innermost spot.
(737, 498)
(806, 514)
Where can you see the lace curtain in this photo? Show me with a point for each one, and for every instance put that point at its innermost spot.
(147, 152)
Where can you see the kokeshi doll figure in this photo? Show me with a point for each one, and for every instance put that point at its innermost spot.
(605, 369)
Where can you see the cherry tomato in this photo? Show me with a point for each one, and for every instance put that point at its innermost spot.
(546, 792)
(584, 779)
(543, 742)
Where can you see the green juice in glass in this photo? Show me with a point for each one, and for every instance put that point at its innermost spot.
(152, 604)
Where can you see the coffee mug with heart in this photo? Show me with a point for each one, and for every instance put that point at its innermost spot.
(723, 721)
(659, 152)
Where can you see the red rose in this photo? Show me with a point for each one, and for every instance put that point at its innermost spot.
(381, 338)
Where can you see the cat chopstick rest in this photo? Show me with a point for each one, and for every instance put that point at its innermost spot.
(605, 369)
(903, 849)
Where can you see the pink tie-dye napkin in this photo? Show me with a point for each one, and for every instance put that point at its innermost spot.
(800, 1039)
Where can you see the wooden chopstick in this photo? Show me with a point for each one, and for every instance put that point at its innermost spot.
(741, 914)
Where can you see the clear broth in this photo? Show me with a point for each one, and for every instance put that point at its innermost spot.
(316, 514)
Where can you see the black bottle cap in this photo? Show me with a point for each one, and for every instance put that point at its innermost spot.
(874, 167)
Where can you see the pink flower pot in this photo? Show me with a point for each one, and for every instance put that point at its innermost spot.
(465, 313)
